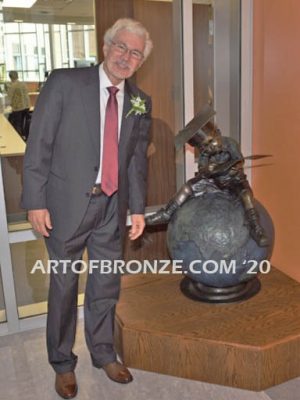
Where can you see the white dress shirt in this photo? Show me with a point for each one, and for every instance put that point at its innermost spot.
(104, 95)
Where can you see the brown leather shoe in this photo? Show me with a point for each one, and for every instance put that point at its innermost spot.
(117, 372)
(65, 385)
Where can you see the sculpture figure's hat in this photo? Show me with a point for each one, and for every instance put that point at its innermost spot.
(194, 127)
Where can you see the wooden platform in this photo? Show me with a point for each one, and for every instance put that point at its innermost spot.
(251, 345)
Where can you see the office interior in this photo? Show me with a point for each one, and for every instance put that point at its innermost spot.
(238, 55)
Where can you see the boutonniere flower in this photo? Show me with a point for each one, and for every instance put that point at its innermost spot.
(138, 106)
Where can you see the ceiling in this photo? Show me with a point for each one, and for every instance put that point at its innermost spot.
(53, 12)
(60, 12)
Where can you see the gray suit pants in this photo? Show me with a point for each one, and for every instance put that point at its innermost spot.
(99, 233)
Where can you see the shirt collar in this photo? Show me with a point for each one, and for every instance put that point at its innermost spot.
(105, 81)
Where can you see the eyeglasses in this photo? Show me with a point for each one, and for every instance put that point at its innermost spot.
(123, 49)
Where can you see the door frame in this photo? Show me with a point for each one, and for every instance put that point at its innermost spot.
(246, 78)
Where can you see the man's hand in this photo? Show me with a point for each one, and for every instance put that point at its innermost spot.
(138, 225)
(40, 221)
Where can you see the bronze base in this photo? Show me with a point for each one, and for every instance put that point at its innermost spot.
(197, 291)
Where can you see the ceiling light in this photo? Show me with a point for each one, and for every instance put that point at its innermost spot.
(18, 3)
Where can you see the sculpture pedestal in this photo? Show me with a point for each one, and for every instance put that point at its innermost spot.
(250, 345)
(198, 291)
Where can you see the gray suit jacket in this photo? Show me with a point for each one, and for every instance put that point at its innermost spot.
(63, 150)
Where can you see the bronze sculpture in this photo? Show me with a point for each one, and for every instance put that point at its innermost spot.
(220, 167)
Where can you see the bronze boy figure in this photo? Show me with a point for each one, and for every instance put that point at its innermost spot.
(220, 167)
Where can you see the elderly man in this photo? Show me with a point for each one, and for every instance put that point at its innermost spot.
(85, 165)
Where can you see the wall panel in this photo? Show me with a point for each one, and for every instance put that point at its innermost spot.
(106, 13)
(276, 123)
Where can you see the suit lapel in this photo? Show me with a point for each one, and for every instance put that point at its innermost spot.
(91, 103)
(127, 122)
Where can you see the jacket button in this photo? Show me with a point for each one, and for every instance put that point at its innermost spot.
(96, 168)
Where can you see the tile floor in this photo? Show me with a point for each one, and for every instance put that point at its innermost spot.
(25, 375)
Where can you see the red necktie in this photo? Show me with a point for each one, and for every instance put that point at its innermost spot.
(109, 178)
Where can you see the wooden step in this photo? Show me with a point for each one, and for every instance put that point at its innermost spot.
(251, 345)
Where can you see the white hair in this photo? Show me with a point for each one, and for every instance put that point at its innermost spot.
(132, 26)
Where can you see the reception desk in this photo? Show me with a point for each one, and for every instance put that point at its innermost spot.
(11, 145)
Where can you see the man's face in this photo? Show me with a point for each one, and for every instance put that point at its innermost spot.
(123, 56)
